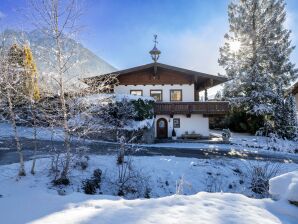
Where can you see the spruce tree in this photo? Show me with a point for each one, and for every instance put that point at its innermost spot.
(280, 112)
(31, 84)
(291, 118)
(261, 59)
(11, 67)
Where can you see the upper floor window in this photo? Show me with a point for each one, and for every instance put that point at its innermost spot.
(136, 92)
(156, 94)
(176, 95)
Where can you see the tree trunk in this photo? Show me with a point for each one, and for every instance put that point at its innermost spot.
(35, 142)
(62, 97)
(16, 136)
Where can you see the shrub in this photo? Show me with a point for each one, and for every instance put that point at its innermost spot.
(91, 185)
(97, 177)
(117, 114)
(259, 178)
(143, 108)
(61, 181)
(240, 121)
(131, 182)
(147, 193)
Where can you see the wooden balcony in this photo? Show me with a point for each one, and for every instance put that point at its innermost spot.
(188, 108)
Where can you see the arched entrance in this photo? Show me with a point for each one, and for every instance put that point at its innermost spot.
(162, 128)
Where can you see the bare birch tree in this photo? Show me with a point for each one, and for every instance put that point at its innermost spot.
(58, 20)
(11, 71)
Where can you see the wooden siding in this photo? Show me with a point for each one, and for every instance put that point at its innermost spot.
(187, 108)
(162, 77)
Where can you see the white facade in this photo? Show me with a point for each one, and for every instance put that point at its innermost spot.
(187, 90)
(195, 123)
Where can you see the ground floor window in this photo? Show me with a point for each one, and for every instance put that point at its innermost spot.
(156, 94)
(176, 122)
(136, 92)
(176, 95)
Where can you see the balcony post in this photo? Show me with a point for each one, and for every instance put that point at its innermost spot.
(206, 95)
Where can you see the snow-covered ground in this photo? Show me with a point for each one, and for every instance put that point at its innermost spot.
(47, 208)
(285, 186)
(32, 199)
(239, 142)
(43, 133)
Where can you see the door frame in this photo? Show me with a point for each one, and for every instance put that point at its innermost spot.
(158, 130)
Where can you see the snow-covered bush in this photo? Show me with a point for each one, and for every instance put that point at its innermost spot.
(143, 109)
(226, 135)
(285, 187)
(214, 183)
(259, 175)
(110, 111)
(61, 182)
(130, 181)
(91, 185)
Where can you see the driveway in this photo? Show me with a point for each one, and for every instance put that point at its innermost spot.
(9, 155)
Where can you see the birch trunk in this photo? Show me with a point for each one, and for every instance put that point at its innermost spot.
(16, 136)
(35, 141)
(62, 91)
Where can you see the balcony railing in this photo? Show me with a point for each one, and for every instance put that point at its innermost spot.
(208, 108)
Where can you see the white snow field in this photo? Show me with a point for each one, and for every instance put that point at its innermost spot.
(241, 142)
(285, 186)
(200, 208)
(32, 199)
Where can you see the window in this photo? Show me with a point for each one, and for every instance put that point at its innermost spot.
(176, 95)
(176, 123)
(156, 94)
(136, 92)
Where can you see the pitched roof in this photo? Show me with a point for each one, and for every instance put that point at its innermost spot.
(218, 79)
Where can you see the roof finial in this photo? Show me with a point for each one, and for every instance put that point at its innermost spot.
(155, 40)
(155, 52)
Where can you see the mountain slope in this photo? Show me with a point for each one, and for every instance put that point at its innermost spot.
(83, 63)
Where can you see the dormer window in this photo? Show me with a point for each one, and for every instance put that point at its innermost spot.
(136, 92)
(156, 94)
(176, 94)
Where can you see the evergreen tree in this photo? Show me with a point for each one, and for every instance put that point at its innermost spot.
(22, 58)
(285, 120)
(16, 66)
(278, 49)
(256, 54)
(30, 83)
(15, 56)
(280, 112)
(11, 67)
(291, 118)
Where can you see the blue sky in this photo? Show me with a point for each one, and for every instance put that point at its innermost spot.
(121, 31)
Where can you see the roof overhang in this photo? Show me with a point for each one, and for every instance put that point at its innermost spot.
(201, 80)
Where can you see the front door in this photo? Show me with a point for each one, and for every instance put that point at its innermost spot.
(162, 128)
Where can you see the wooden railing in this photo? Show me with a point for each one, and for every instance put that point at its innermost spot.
(208, 108)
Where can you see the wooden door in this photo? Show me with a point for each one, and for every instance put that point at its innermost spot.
(162, 128)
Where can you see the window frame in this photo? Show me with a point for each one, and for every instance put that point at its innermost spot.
(171, 90)
(178, 123)
(161, 98)
(136, 91)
